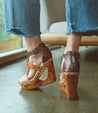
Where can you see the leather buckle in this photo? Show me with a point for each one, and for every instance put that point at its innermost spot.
(35, 51)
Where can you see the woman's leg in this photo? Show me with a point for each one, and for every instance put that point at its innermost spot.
(23, 18)
(70, 66)
(73, 42)
(33, 42)
(39, 58)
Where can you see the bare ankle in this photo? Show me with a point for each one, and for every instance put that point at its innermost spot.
(32, 42)
(73, 43)
(71, 49)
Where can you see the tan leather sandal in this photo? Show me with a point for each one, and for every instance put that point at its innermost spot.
(47, 62)
(70, 72)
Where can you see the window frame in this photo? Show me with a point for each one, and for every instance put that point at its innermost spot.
(14, 54)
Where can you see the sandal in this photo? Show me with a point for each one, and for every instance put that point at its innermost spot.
(69, 73)
(47, 62)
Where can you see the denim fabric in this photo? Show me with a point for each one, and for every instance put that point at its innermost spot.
(82, 16)
(22, 17)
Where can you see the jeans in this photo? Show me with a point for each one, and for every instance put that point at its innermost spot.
(82, 16)
(22, 17)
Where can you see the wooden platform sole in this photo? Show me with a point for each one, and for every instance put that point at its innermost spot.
(36, 82)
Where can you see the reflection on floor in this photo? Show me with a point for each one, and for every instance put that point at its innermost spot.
(50, 99)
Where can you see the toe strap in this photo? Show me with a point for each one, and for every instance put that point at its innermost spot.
(32, 66)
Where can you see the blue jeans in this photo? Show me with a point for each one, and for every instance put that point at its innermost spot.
(82, 16)
(22, 17)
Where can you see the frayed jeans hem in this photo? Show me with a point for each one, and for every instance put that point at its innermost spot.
(9, 32)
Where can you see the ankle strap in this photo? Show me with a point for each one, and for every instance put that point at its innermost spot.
(36, 50)
(72, 53)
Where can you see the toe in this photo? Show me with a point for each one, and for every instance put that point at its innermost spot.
(23, 80)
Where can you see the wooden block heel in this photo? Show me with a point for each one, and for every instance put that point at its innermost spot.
(71, 86)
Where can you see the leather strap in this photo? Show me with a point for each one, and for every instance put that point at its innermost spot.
(71, 62)
(32, 66)
(36, 50)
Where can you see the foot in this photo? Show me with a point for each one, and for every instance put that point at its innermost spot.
(41, 55)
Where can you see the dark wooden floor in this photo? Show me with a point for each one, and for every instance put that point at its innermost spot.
(50, 99)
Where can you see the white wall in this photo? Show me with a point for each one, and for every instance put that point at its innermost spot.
(51, 11)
